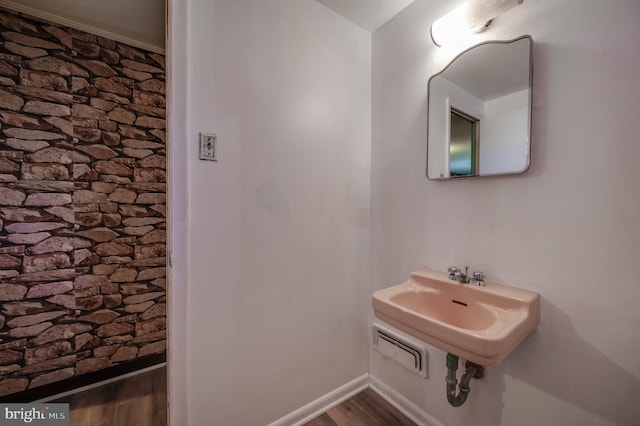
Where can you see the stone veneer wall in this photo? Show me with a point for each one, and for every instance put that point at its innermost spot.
(82, 203)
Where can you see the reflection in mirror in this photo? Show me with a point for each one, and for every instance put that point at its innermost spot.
(464, 144)
(479, 112)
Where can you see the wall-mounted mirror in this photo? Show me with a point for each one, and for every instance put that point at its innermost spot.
(480, 112)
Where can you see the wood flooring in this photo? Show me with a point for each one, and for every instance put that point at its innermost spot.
(140, 400)
(367, 408)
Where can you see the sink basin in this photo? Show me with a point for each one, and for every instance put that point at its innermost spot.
(479, 324)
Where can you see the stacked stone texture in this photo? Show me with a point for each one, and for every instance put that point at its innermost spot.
(82, 203)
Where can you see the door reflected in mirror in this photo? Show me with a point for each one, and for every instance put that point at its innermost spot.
(464, 144)
(480, 112)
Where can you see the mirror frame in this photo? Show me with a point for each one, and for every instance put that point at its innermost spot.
(530, 103)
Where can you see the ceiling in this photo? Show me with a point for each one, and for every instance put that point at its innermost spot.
(369, 14)
(142, 22)
(136, 22)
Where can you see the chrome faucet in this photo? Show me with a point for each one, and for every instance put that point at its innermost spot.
(456, 274)
(478, 279)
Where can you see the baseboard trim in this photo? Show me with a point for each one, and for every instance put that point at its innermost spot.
(98, 384)
(84, 380)
(324, 403)
(406, 407)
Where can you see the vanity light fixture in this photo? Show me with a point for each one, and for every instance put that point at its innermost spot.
(473, 16)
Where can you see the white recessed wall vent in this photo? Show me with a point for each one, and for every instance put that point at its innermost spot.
(402, 348)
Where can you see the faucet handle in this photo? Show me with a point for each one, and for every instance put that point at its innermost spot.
(454, 273)
(478, 279)
(478, 275)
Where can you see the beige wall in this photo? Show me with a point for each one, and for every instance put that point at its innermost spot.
(568, 229)
(277, 247)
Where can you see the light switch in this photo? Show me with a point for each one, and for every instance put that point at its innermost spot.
(208, 148)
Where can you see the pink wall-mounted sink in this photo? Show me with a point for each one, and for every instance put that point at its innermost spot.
(479, 324)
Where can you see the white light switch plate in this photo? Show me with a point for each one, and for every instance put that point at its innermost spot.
(208, 148)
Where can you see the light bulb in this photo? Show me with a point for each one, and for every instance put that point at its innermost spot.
(472, 17)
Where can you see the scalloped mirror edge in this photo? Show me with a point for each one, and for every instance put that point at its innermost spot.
(479, 112)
